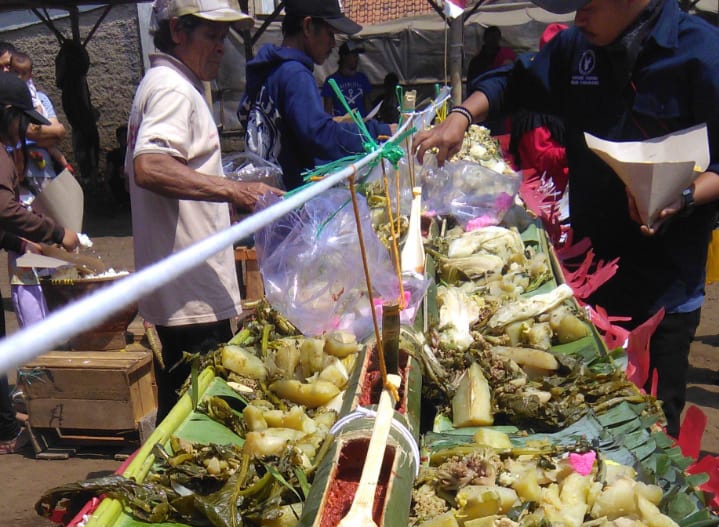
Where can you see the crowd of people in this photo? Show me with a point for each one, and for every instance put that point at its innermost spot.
(643, 62)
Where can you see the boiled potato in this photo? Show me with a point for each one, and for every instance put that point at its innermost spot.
(270, 442)
(493, 438)
(472, 402)
(571, 328)
(615, 500)
(312, 356)
(287, 356)
(443, 520)
(340, 344)
(254, 418)
(534, 358)
(335, 372)
(243, 362)
(311, 395)
(478, 501)
(651, 514)
(527, 485)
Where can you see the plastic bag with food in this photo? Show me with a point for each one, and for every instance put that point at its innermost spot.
(249, 167)
(312, 267)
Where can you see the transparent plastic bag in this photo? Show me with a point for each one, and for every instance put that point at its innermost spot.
(375, 180)
(249, 167)
(312, 267)
(475, 195)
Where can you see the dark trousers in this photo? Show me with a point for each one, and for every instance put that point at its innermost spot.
(9, 427)
(193, 338)
(669, 355)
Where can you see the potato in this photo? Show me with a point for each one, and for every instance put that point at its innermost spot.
(487, 521)
(615, 500)
(340, 344)
(539, 336)
(335, 372)
(287, 356)
(493, 438)
(443, 520)
(571, 328)
(242, 362)
(568, 515)
(472, 402)
(270, 442)
(478, 501)
(474, 503)
(613, 471)
(283, 516)
(574, 488)
(534, 358)
(254, 418)
(651, 514)
(297, 419)
(335, 404)
(515, 329)
(310, 395)
(653, 493)
(527, 486)
(312, 356)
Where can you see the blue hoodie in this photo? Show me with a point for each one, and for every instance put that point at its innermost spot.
(284, 118)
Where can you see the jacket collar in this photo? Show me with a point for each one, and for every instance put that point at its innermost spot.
(666, 29)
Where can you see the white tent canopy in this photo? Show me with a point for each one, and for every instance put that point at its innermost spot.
(415, 48)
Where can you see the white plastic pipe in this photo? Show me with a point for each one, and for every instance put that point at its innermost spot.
(62, 325)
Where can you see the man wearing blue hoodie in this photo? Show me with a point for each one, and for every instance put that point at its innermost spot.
(282, 111)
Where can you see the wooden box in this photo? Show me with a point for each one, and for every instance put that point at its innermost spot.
(248, 272)
(89, 390)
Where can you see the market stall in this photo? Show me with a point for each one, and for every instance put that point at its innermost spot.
(495, 401)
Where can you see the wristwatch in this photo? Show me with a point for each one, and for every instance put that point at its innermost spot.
(687, 200)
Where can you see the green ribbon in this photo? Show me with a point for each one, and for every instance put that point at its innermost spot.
(389, 150)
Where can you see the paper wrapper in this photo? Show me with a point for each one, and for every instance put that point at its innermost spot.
(62, 200)
(656, 170)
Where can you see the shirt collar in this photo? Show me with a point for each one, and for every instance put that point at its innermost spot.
(164, 59)
(666, 30)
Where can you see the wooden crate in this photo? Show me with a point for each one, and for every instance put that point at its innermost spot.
(248, 272)
(89, 390)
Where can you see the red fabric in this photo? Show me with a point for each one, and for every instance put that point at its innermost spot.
(614, 336)
(539, 151)
(709, 465)
(504, 56)
(589, 275)
(550, 32)
(691, 432)
(638, 349)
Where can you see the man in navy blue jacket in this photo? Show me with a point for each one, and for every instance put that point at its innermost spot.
(281, 111)
(629, 70)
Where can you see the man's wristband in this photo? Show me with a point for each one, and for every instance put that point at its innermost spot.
(464, 111)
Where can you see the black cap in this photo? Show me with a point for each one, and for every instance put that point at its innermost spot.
(351, 47)
(328, 10)
(560, 6)
(13, 91)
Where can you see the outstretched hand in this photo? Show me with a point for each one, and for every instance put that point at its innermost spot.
(248, 193)
(446, 137)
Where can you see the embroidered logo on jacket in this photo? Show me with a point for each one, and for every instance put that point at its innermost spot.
(585, 69)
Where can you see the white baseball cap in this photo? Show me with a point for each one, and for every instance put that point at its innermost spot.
(214, 10)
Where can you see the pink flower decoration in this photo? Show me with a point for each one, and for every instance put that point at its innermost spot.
(583, 463)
